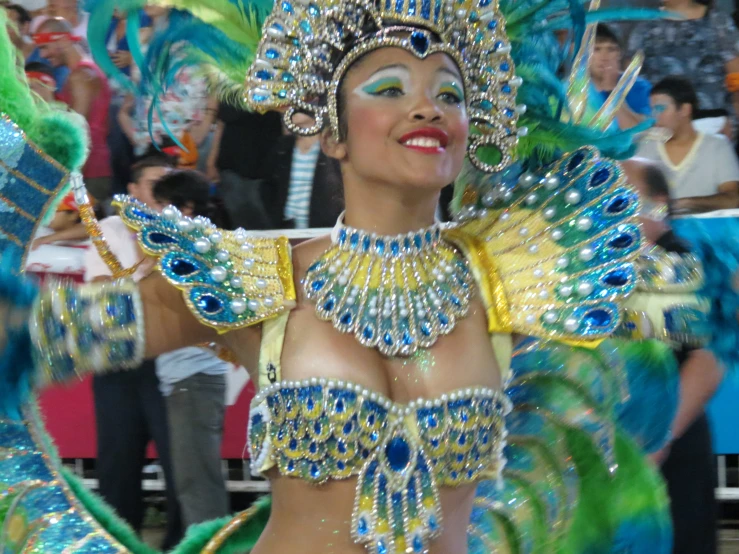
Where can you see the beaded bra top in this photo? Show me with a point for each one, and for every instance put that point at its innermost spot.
(550, 254)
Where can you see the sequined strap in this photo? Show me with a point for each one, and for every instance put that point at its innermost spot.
(229, 279)
(555, 247)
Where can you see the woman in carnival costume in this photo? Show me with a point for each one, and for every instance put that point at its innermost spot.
(398, 410)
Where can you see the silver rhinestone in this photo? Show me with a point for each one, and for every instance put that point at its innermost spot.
(565, 290)
(185, 225)
(584, 289)
(571, 324)
(563, 262)
(219, 274)
(549, 213)
(237, 282)
(551, 182)
(202, 245)
(587, 254)
(261, 284)
(222, 256)
(573, 197)
(527, 180)
(584, 223)
(550, 317)
(249, 263)
(268, 302)
(253, 305)
(238, 306)
(461, 14)
(531, 199)
(557, 234)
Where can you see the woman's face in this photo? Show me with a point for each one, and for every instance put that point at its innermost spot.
(405, 118)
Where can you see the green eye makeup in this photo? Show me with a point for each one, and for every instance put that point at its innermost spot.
(382, 85)
(452, 88)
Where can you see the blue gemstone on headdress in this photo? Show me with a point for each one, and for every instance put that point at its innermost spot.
(598, 318)
(264, 75)
(381, 547)
(456, 301)
(209, 304)
(362, 526)
(346, 319)
(575, 161)
(380, 246)
(282, 94)
(509, 112)
(287, 77)
(161, 238)
(313, 10)
(354, 239)
(419, 42)
(425, 8)
(317, 284)
(600, 177)
(183, 267)
(505, 66)
(505, 89)
(291, 466)
(398, 453)
(293, 444)
(624, 240)
(492, 24)
(618, 204)
(388, 339)
(272, 53)
(368, 333)
(616, 278)
(287, 7)
(306, 28)
(259, 97)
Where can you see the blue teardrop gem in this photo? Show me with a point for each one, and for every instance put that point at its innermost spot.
(315, 472)
(366, 244)
(368, 333)
(380, 246)
(598, 318)
(209, 304)
(264, 75)
(618, 204)
(428, 237)
(505, 89)
(417, 544)
(354, 240)
(362, 526)
(419, 42)
(616, 278)
(505, 66)
(493, 24)
(418, 241)
(183, 267)
(161, 238)
(342, 236)
(287, 7)
(600, 177)
(426, 329)
(407, 243)
(317, 285)
(346, 319)
(444, 320)
(624, 240)
(575, 161)
(329, 304)
(395, 247)
(388, 339)
(381, 548)
(398, 453)
(407, 339)
(272, 54)
(433, 523)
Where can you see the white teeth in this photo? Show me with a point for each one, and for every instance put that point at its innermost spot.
(423, 142)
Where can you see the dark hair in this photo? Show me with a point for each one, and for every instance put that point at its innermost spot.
(716, 112)
(40, 67)
(657, 185)
(183, 188)
(603, 33)
(148, 162)
(23, 15)
(680, 89)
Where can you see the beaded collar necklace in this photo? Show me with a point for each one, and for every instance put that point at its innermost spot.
(394, 293)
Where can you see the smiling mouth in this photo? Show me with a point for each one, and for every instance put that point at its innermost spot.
(427, 141)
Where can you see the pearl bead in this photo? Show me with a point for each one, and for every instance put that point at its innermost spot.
(169, 212)
(437, 302)
(523, 231)
(539, 273)
(216, 237)
(373, 312)
(489, 199)
(268, 302)
(248, 263)
(527, 180)
(246, 247)
(219, 274)
(521, 109)
(261, 284)
(343, 280)
(571, 324)
(533, 249)
(563, 262)
(584, 223)
(549, 213)
(386, 312)
(332, 269)
(565, 290)
(240, 234)
(530, 319)
(587, 254)
(185, 225)
(516, 81)
(505, 216)
(584, 289)
(350, 300)
(253, 305)
(532, 199)
(404, 312)
(507, 195)
(202, 245)
(573, 197)
(222, 256)
(550, 317)
(461, 14)
(557, 234)
(544, 294)
(522, 131)
(551, 182)
(238, 306)
(237, 282)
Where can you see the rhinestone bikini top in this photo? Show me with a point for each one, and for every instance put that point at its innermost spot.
(322, 429)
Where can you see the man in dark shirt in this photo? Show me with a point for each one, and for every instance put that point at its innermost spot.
(687, 462)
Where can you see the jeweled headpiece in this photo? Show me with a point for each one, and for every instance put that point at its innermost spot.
(308, 45)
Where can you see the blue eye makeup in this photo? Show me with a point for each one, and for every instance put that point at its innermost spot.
(659, 108)
(384, 87)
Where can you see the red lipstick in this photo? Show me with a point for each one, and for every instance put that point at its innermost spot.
(428, 140)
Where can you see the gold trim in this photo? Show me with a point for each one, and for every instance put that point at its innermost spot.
(229, 529)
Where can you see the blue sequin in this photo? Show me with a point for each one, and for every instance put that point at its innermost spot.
(346, 319)
(624, 240)
(209, 304)
(419, 42)
(368, 333)
(398, 454)
(380, 246)
(600, 177)
(388, 339)
(618, 204)
(183, 268)
(616, 278)
(317, 284)
(598, 317)
(329, 304)
(362, 526)
(575, 161)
